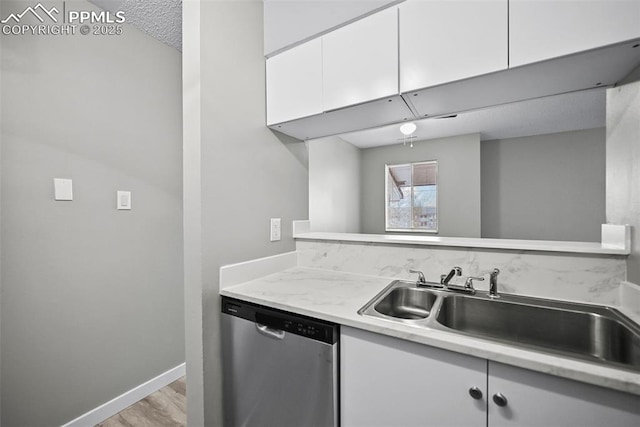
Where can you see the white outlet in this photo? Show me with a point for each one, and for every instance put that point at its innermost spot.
(275, 229)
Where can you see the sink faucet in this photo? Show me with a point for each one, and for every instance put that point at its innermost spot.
(421, 279)
(468, 283)
(445, 279)
(493, 283)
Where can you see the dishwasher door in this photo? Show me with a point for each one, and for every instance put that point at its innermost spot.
(279, 369)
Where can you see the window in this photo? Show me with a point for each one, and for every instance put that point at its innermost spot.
(412, 197)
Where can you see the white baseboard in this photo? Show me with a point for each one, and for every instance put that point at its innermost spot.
(112, 407)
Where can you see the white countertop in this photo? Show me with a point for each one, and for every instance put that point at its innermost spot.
(467, 242)
(337, 296)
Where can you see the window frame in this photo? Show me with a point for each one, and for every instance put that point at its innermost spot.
(386, 201)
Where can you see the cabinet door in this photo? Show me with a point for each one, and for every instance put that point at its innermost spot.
(387, 381)
(543, 29)
(294, 83)
(443, 40)
(360, 60)
(535, 399)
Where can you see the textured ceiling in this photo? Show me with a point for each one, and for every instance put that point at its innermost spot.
(559, 113)
(161, 19)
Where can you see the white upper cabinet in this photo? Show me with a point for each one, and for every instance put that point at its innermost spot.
(448, 56)
(294, 83)
(360, 60)
(289, 22)
(543, 29)
(442, 41)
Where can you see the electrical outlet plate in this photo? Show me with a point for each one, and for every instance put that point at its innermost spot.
(276, 229)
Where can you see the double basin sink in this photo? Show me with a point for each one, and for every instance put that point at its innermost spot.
(593, 333)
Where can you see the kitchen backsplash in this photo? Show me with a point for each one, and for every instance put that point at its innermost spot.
(576, 277)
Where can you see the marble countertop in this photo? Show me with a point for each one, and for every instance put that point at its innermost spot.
(337, 296)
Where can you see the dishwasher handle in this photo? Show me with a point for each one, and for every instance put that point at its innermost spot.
(270, 332)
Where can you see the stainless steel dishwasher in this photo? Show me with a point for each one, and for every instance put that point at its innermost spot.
(279, 369)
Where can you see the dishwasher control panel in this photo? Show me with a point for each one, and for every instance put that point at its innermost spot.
(301, 328)
(297, 324)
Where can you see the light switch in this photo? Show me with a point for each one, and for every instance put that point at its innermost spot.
(123, 200)
(63, 189)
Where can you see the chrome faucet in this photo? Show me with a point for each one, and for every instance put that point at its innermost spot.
(468, 283)
(421, 279)
(493, 283)
(445, 279)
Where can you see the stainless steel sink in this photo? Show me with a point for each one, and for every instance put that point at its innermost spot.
(406, 303)
(591, 332)
(402, 302)
(594, 333)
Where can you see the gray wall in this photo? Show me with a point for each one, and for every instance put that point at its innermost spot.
(623, 166)
(91, 296)
(249, 174)
(458, 182)
(546, 187)
(288, 22)
(334, 185)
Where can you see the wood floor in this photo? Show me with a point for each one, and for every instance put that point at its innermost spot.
(164, 408)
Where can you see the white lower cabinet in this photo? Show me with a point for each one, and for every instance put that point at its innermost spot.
(535, 399)
(387, 381)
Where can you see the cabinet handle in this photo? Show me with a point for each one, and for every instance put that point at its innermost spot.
(476, 393)
(499, 399)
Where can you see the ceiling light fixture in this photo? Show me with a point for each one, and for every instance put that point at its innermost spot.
(408, 128)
